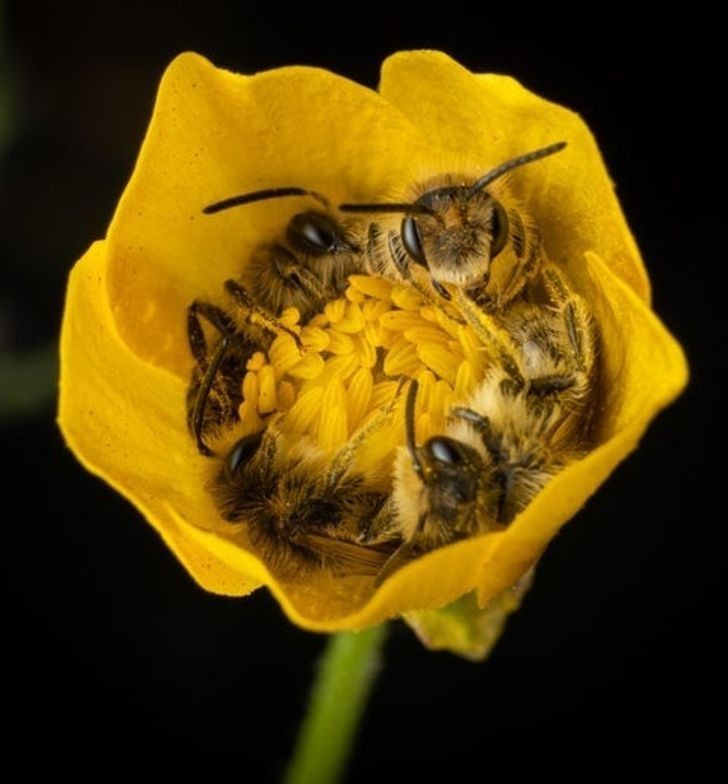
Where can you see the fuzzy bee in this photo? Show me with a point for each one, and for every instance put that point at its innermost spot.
(303, 508)
(473, 235)
(308, 266)
(530, 417)
(215, 391)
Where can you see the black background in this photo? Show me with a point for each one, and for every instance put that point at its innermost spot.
(112, 648)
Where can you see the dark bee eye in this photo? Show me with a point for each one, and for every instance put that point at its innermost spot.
(498, 229)
(412, 240)
(314, 233)
(444, 450)
(242, 453)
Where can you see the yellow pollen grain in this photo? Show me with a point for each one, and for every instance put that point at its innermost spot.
(375, 457)
(378, 288)
(402, 320)
(333, 429)
(423, 427)
(401, 359)
(267, 398)
(472, 347)
(304, 413)
(339, 343)
(341, 367)
(319, 320)
(358, 395)
(314, 338)
(374, 333)
(426, 380)
(372, 309)
(428, 334)
(309, 367)
(284, 354)
(449, 325)
(439, 359)
(364, 351)
(442, 400)
(382, 394)
(250, 388)
(249, 419)
(354, 296)
(406, 298)
(256, 362)
(286, 395)
(465, 379)
(335, 310)
(353, 320)
(290, 317)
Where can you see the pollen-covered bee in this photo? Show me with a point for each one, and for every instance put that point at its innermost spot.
(530, 417)
(215, 392)
(308, 266)
(301, 507)
(473, 235)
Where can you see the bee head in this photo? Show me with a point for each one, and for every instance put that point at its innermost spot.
(455, 232)
(459, 236)
(438, 482)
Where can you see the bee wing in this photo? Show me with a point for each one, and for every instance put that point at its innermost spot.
(351, 558)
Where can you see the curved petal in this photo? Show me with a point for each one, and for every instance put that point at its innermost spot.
(124, 421)
(215, 134)
(491, 118)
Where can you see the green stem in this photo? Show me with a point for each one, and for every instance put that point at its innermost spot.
(345, 676)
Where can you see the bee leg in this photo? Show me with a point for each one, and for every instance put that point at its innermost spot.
(398, 255)
(343, 459)
(245, 302)
(405, 553)
(196, 337)
(198, 345)
(291, 270)
(380, 526)
(495, 340)
(576, 319)
(484, 429)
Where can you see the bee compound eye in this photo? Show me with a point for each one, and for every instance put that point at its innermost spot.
(445, 451)
(412, 240)
(314, 233)
(242, 453)
(499, 229)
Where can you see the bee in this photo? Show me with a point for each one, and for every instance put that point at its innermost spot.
(302, 508)
(305, 268)
(459, 231)
(454, 229)
(215, 391)
(530, 417)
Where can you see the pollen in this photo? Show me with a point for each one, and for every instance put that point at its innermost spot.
(346, 370)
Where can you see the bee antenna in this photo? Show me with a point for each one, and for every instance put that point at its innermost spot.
(411, 209)
(267, 193)
(409, 424)
(514, 163)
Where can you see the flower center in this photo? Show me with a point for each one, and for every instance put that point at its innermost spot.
(349, 366)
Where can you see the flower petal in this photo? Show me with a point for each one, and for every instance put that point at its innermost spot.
(489, 118)
(215, 134)
(124, 420)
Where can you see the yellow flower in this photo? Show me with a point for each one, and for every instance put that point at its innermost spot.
(125, 358)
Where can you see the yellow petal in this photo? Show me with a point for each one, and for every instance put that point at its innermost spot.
(124, 419)
(123, 411)
(215, 134)
(488, 119)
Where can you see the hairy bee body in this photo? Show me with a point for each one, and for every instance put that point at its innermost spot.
(530, 417)
(474, 236)
(298, 513)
